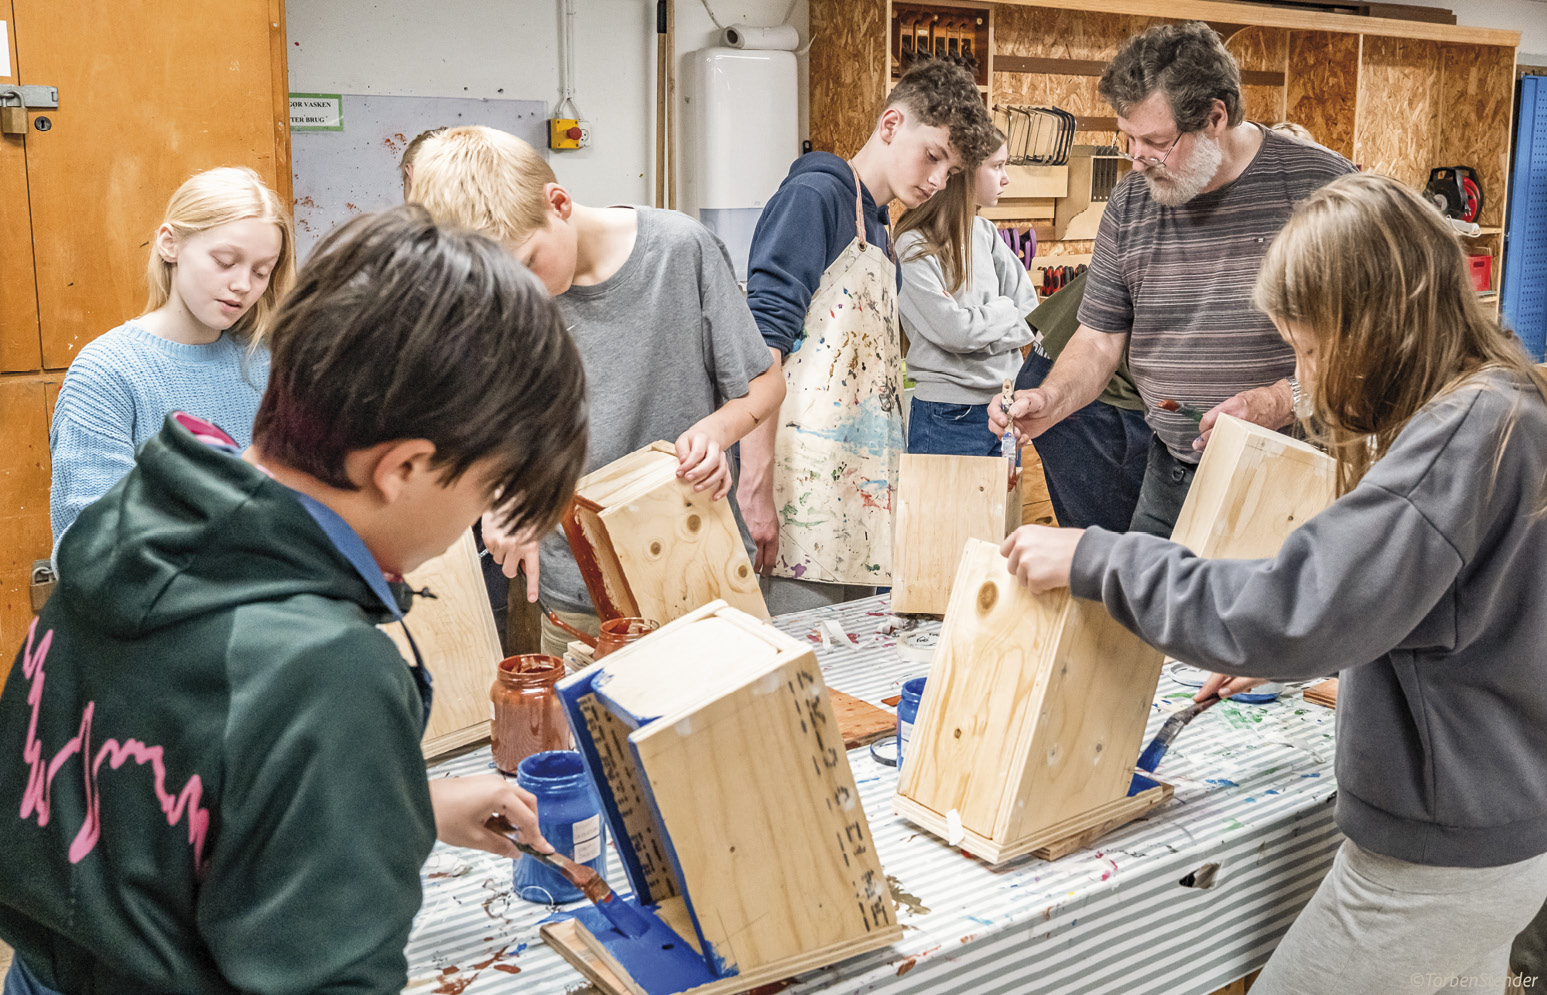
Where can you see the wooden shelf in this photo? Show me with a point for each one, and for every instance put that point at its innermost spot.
(1274, 17)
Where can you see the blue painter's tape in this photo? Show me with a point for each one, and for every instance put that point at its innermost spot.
(659, 961)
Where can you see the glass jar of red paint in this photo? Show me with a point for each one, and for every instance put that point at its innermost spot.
(528, 715)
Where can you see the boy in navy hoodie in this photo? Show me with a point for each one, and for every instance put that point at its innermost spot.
(816, 483)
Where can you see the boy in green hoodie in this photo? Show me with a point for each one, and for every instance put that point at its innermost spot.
(211, 778)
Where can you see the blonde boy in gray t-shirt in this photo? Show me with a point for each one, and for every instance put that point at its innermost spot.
(670, 348)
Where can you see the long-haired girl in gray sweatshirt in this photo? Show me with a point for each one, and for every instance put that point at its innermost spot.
(1424, 585)
(964, 302)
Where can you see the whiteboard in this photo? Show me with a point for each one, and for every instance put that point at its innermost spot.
(339, 174)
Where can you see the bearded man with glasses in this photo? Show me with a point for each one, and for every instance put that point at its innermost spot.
(1175, 259)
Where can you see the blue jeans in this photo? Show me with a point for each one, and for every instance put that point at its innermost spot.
(20, 981)
(1093, 460)
(950, 429)
(1166, 483)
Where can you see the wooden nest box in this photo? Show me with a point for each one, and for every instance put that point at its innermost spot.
(722, 775)
(1031, 721)
(650, 546)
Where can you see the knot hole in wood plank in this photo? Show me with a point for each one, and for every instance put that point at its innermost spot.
(695, 523)
(988, 596)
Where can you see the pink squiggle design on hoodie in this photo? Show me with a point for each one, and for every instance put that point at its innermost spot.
(37, 798)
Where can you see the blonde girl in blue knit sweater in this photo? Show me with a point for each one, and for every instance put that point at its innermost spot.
(219, 261)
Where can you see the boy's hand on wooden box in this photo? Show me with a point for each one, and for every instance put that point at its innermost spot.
(512, 553)
(701, 462)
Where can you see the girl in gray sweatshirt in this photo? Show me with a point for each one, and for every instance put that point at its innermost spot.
(964, 302)
(1424, 586)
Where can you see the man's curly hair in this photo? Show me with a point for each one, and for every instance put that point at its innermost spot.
(943, 93)
(1187, 62)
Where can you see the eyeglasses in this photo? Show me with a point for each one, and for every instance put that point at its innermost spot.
(1121, 142)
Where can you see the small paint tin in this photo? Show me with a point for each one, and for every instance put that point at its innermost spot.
(570, 818)
(907, 714)
(1259, 695)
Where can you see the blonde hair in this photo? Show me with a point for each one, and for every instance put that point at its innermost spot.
(218, 197)
(1377, 278)
(405, 165)
(944, 223)
(483, 179)
(1299, 131)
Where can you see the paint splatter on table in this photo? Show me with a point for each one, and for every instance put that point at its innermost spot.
(1254, 787)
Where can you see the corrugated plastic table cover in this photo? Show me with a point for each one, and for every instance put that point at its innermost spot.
(1254, 790)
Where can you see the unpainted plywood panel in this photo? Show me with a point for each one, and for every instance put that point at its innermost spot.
(1477, 91)
(942, 501)
(849, 69)
(1321, 85)
(456, 637)
(1260, 49)
(1398, 110)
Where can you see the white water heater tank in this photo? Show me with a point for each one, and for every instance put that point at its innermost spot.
(741, 132)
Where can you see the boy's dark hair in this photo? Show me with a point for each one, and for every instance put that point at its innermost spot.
(1187, 62)
(943, 93)
(401, 329)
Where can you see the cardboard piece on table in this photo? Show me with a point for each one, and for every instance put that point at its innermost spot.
(456, 635)
(942, 501)
(1325, 693)
(723, 777)
(1253, 487)
(1032, 717)
(648, 545)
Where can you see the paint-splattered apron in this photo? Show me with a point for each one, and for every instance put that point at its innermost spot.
(840, 427)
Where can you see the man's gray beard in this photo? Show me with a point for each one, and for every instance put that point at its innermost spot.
(1187, 182)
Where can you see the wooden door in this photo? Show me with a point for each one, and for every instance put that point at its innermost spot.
(149, 93)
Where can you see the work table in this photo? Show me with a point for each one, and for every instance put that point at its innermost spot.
(1141, 911)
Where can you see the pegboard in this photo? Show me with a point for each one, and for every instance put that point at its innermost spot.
(1524, 293)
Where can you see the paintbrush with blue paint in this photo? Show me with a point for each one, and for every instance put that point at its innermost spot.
(1151, 757)
(623, 916)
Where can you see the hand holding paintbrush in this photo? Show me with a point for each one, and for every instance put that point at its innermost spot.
(623, 916)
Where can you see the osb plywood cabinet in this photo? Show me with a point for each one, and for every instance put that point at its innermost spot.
(1396, 97)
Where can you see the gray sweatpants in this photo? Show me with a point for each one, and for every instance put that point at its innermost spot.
(1378, 925)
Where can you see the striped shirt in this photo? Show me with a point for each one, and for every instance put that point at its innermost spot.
(1180, 280)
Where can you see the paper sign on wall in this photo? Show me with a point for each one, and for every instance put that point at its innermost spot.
(5, 51)
(316, 112)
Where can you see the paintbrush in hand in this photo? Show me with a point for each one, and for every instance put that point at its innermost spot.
(623, 916)
(1150, 758)
(1178, 408)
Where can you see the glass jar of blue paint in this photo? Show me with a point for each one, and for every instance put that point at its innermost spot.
(570, 817)
(907, 714)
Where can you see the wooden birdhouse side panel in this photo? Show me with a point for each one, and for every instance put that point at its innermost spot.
(764, 818)
(680, 550)
(942, 501)
(1253, 487)
(1088, 729)
(989, 672)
